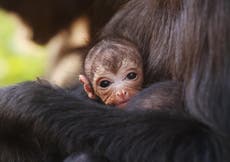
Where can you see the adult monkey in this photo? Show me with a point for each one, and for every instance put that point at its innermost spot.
(186, 40)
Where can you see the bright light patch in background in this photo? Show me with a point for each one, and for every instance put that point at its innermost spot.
(20, 58)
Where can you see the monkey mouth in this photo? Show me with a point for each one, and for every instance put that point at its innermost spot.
(122, 104)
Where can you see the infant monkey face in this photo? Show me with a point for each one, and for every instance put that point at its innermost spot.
(117, 88)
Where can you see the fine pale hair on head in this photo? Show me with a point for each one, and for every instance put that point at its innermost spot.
(111, 54)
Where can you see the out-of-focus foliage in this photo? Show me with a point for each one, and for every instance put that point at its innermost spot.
(20, 60)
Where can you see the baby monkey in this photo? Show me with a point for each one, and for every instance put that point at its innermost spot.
(113, 71)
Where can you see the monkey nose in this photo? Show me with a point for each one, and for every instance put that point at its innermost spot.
(122, 94)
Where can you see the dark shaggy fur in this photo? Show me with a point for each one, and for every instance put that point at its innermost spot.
(56, 118)
(159, 96)
(182, 40)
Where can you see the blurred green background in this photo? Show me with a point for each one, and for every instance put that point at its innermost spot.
(20, 59)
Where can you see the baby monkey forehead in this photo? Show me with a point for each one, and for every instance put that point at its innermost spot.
(117, 67)
(110, 55)
(114, 62)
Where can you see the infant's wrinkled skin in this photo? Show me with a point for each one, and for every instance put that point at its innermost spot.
(124, 84)
(113, 72)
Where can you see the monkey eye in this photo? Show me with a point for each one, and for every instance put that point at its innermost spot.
(104, 83)
(131, 76)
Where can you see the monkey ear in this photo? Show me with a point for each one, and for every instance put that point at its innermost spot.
(87, 87)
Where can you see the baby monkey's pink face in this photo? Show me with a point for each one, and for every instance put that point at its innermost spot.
(116, 88)
(114, 71)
